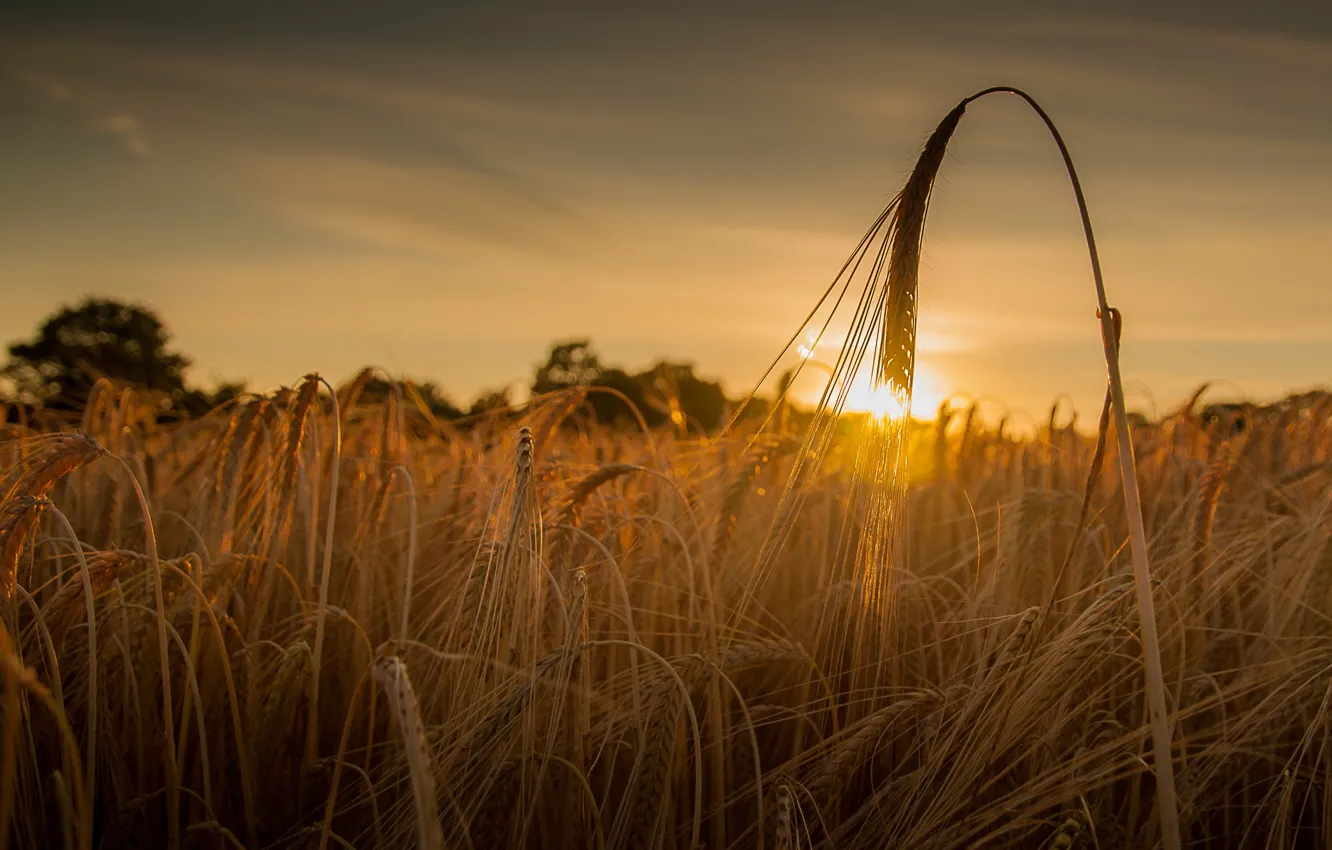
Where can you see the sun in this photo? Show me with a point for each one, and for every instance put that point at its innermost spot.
(886, 402)
(881, 402)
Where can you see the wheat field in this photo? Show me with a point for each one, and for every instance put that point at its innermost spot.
(316, 619)
(525, 633)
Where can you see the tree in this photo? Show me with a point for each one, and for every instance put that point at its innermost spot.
(98, 338)
(426, 393)
(198, 402)
(667, 392)
(687, 396)
(490, 400)
(621, 390)
(569, 364)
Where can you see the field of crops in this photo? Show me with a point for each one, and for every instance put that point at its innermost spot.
(379, 631)
(324, 618)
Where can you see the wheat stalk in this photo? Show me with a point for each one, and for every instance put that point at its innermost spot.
(391, 674)
(894, 368)
(321, 613)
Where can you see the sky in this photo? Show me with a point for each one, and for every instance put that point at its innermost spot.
(443, 189)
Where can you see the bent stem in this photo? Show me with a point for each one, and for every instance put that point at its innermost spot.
(1161, 742)
(321, 614)
(164, 660)
(90, 608)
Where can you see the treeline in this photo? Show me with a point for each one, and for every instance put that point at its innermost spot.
(54, 372)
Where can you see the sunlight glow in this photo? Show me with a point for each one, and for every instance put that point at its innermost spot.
(884, 402)
(889, 403)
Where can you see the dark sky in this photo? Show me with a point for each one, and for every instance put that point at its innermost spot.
(442, 188)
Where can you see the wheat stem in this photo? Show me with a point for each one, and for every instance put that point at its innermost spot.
(1155, 680)
(321, 613)
(164, 659)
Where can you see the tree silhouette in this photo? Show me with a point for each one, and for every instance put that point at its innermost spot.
(687, 398)
(427, 394)
(98, 338)
(490, 400)
(666, 392)
(569, 364)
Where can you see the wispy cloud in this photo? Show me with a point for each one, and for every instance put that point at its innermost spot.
(53, 90)
(86, 112)
(676, 189)
(125, 129)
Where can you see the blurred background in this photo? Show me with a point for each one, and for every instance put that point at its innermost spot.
(447, 190)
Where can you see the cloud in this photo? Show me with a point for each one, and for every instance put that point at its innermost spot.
(687, 190)
(53, 90)
(125, 128)
(120, 126)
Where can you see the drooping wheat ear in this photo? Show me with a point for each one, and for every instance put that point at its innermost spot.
(22, 505)
(223, 459)
(288, 468)
(555, 409)
(61, 610)
(785, 820)
(96, 407)
(291, 458)
(391, 674)
(282, 693)
(664, 701)
(468, 613)
(249, 436)
(1069, 833)
(896, 362)
(572, 511)
(586, 486)
(667, 703)
(489, 733)
(834, 775)
(349, 394)
(391, 432)
(1016, 645)
(1209, 495)
(744, 655)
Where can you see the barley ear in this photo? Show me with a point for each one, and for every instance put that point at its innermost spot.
(391, 674)
(1110, 320)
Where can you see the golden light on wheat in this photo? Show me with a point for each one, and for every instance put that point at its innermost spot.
(882, 402)
(309, 619)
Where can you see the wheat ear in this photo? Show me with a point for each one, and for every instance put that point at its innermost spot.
(391, 674)
(897, 359)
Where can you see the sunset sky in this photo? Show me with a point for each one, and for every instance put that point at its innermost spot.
(444, 188)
